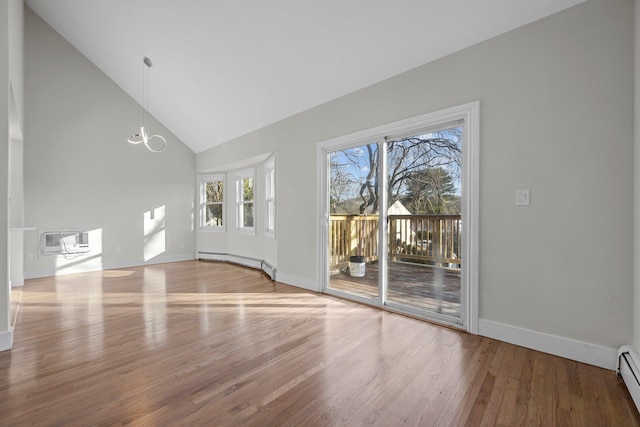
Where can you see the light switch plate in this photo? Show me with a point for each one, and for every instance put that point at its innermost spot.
(522, 198)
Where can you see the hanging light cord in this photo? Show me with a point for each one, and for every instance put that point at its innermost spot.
(159, 143)
(145, 88)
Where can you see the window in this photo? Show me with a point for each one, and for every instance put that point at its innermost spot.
(245, 200)
(270, 196)
(211, 189)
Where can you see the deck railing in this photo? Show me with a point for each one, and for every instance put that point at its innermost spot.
(428, 239)
(431, 238)
(351, 235)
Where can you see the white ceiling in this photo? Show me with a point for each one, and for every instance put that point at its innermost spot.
(222, 68)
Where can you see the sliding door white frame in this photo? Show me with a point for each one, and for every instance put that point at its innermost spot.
(470, 115)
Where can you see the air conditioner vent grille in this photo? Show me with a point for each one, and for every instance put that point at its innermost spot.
(72, 242)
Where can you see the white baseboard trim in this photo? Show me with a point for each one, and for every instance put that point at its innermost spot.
(299, 282)
(16, 283)
(6, 340)
(580, 351)
(93, 266)
(258, 264)
(234, 259)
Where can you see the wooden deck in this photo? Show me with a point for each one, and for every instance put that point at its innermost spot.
(420, 286)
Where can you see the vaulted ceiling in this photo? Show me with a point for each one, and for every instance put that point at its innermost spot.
(223, 68)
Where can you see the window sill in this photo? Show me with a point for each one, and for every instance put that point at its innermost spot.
(247, 231)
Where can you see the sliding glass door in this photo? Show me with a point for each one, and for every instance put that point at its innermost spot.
(396, 204)
(424, 220)
(353, 221)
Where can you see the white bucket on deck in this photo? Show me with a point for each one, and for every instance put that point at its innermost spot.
(357, 266)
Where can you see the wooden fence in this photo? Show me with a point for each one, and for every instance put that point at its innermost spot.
(427, 239)
(351, 235)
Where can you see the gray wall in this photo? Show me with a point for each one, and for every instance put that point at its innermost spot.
(80, 172)
(556, 118)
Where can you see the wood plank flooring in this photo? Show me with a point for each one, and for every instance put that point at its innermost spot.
(200, 343)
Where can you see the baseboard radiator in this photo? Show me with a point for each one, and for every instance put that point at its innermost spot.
(258, 264)
(628, 369)
(269, 270)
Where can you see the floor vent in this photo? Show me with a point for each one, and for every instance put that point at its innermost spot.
(628, 363)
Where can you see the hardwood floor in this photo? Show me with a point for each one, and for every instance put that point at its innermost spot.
(199, 343)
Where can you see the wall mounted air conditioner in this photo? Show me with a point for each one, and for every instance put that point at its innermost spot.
(72, 242)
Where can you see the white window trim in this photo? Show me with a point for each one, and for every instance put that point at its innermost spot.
(240, 176)
(270, 195)
(202, 179)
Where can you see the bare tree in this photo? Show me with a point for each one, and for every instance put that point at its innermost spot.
(406, 158)
(369, 188)
(342, 185)
(432, 191)
(409, 157)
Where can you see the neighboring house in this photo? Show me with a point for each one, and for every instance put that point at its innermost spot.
(405, 235)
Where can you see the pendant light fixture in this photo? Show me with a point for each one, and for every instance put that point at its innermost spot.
(155, 143)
